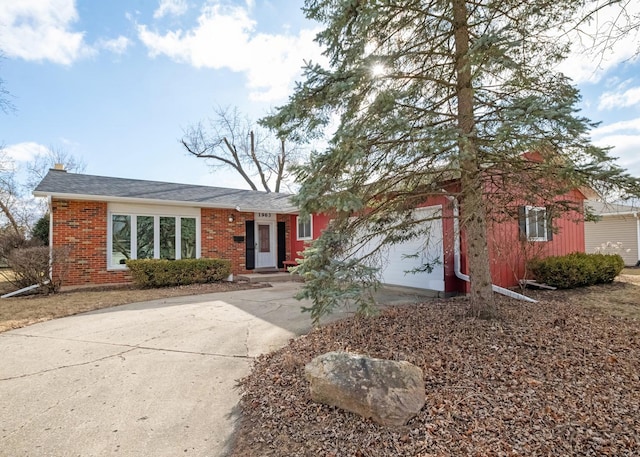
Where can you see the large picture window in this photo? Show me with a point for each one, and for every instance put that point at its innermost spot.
(120, 239)
(144, 237)
(168, 238)
(188, 238)
(137, 236)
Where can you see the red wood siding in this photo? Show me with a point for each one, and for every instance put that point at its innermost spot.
(320, 222)
(508, 254)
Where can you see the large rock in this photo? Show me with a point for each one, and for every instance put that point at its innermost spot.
(388, 392)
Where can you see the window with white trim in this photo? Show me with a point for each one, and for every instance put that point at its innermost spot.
(139, 236)
(304, 228)
(537, 226)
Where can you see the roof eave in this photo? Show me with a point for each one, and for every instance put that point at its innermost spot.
(152, 201)
(625, 213)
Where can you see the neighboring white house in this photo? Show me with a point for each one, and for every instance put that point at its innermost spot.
(618, 225)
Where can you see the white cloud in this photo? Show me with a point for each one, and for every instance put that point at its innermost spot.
(116, 45)
(226, 37)
(624, 138)
(41, 30)
(24, 152)
(584, 64)
(170, 7)
(622, 126)
(629, 97)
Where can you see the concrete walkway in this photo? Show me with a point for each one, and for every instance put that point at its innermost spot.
(147, 379)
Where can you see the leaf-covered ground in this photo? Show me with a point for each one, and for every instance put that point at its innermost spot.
(549, 379)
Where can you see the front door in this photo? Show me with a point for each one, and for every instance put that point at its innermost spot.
(265, 245)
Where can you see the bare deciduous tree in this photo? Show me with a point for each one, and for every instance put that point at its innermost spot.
(16, 204)
(603, 24)
(40, 165)
(5, 97)
(231, 140)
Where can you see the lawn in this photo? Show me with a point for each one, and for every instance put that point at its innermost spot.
(19, 312)
(558, 377)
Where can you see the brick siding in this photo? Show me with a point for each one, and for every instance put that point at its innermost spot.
(82, 226)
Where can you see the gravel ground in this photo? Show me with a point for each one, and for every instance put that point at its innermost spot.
(548, 379)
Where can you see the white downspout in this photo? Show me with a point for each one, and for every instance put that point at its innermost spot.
(456, 259)
(50, 205)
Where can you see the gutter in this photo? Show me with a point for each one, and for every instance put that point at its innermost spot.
(621, 213)
(456, 259)
(153, 201)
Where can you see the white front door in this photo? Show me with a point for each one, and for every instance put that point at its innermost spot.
(265, 244)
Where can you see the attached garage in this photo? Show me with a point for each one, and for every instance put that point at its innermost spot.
(402, 261)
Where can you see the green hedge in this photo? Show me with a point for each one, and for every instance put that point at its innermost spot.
(577, 269)
(164, 273)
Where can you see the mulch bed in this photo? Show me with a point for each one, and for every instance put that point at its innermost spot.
(546, 379)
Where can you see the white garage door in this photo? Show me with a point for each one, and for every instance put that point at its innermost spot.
(405, 257)
(401, 262)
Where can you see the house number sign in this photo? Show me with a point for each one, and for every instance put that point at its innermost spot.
(264, 215)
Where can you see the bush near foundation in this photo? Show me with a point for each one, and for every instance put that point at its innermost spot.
(577, 269)
(39, 265)
(165, 273)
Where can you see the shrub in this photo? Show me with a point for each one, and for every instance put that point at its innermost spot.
(40, 231)
(10, 240)
(32, 265)
(607, 267)
(165, 273)
(577, 269)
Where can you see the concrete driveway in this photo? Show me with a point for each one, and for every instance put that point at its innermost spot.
(147, 379)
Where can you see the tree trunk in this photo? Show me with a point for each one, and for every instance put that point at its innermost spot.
(12, 220)
(474, 216)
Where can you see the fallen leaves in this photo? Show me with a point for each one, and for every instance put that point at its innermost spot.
(551, 378)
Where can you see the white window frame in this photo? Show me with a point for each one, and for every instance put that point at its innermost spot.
(140, 210)
(538, 209)
(304, 238)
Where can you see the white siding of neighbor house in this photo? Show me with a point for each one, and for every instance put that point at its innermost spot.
(615, 229)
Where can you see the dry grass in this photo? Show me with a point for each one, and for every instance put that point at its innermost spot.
(19, 312)
(634, 271)
(619, 299)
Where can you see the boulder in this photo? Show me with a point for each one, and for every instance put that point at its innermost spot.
(388, 392)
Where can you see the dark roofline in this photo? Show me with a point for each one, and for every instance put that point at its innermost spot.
(74, 186)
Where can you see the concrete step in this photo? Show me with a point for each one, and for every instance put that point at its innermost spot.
(268, 277)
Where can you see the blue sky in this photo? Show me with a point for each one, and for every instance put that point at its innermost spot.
(115, 82)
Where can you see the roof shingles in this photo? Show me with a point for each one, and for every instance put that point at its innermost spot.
(61, 184)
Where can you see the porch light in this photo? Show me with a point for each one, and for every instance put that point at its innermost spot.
(231, 218)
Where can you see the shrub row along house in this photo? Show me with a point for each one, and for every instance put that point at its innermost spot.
(105, 221)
